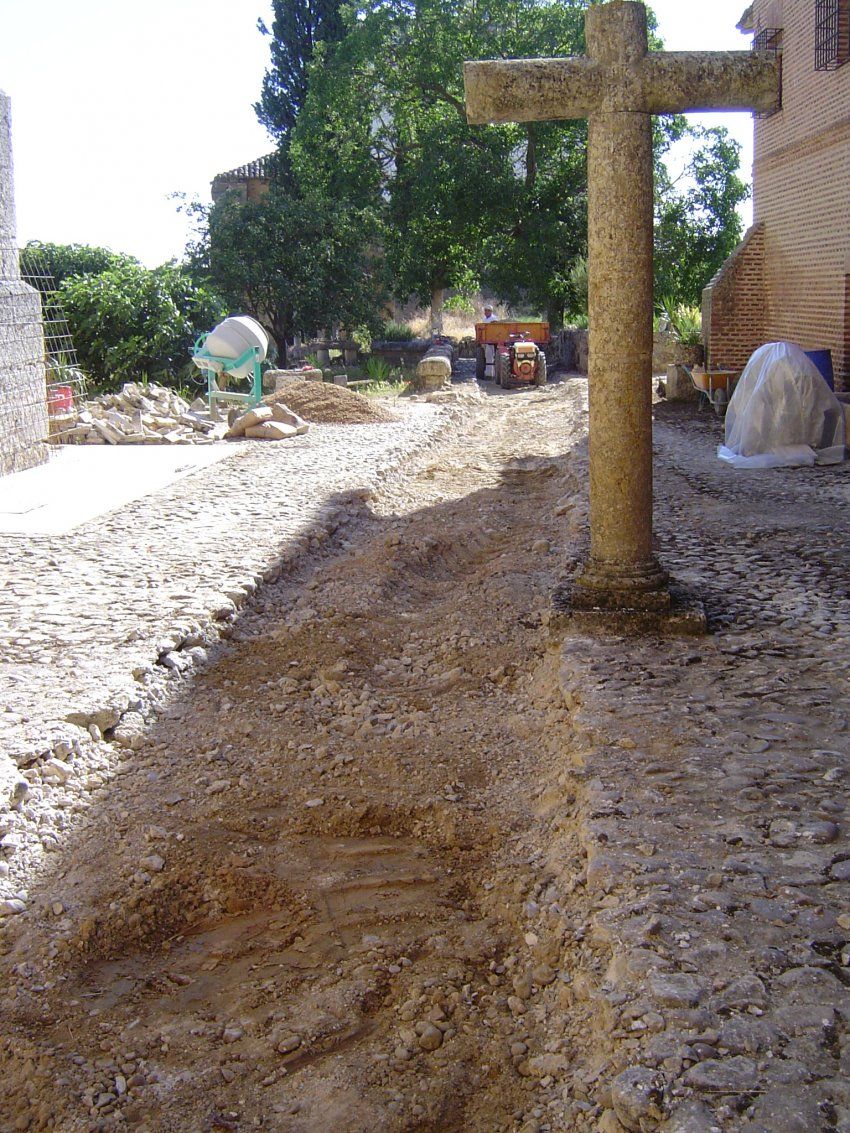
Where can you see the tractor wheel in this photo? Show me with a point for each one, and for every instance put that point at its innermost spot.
(540, 376)
(502, 371)
(480, 363)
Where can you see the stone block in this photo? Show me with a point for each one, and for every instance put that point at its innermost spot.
(250, 420)
(679, 385)
(271, 431)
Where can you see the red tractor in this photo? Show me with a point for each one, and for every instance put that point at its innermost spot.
(511, 352)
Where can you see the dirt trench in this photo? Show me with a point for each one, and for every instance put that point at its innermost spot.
(304, 904)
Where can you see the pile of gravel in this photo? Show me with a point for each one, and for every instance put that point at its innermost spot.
(326, 404)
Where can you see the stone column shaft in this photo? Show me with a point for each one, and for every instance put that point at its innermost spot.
(621, 569)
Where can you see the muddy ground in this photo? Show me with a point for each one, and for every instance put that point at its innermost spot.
(300, 904)
(400, 860)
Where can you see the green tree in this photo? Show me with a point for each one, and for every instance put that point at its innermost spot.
(130, 322)
(297, 28)
(297, 264)
(698, 226)
(61, 261)
(456, 200)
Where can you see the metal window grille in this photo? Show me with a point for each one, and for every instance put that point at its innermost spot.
(770, 39)
(832, 34)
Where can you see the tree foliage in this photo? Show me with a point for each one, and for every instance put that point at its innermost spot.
(698, 226)
(368, 104)
(61, 261)
(297, 28)
(384, 122)
(296, 263)
(130, 322)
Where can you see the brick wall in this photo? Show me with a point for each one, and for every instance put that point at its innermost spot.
(801, 189)
(733, 304)
(802, 196)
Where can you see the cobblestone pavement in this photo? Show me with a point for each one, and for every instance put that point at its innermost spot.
(672, 860)
(714, 858)
(84, 615)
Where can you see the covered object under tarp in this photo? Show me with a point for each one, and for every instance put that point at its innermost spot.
(782, 413)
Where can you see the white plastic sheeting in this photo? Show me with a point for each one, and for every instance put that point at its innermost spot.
(782, 413)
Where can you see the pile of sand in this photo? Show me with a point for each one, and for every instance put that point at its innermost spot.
(326, 404)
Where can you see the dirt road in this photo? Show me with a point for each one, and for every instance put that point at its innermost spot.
(301, 905)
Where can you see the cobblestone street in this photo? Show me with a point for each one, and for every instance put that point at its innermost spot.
(366, 846)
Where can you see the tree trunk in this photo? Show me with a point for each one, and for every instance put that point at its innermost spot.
(280, 331)
(437, 296)
(279, 336)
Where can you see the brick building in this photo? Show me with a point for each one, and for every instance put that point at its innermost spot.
(790, 277)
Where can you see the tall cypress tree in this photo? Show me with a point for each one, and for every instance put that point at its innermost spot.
(297, 27)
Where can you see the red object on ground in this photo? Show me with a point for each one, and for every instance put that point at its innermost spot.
(60, 399)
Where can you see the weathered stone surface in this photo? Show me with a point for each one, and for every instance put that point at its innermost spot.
(271, 431)
(617, 86)
(692, 1117)
(248, 420)
(679, 386)
(23, 393)
(638, 1098)
(726, 1076)
(142, 414)
(435, 368)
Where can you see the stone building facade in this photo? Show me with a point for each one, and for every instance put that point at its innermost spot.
(250, 182)
(23, 392)
(790, 278)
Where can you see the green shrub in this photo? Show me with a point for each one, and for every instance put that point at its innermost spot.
(397, 332)
(685, 320)
(377, 369)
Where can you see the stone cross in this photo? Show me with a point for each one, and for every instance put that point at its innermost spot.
(618, 85)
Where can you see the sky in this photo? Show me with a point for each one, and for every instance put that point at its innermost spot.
(118, 105)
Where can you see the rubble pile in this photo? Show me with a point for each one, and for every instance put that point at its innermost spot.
(326, 404)
(142, 414)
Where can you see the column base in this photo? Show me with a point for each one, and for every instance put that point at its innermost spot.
(642, 601)
(601, 586)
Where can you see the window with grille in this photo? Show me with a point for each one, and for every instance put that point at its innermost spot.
(770, 39)
(832, 34)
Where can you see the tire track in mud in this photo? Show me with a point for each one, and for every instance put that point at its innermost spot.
(309, 916)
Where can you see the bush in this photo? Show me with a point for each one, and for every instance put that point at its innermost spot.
(397, 332)
(130, 323)
(685, 321)
(377, 369)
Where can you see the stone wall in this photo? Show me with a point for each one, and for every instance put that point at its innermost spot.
(408, 353)
(570, 350)
(668, 351)
(23, 393)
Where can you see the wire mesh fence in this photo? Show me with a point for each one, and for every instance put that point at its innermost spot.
(66, 382)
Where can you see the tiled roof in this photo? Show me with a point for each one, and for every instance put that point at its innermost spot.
(254, 170)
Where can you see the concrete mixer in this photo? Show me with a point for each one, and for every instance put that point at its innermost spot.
(233, 349)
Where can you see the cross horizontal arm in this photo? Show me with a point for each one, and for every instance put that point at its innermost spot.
(534, 90)
(531, 90)
(676, 82)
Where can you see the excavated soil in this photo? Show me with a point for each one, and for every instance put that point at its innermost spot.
(326, 404)
(302, 905)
